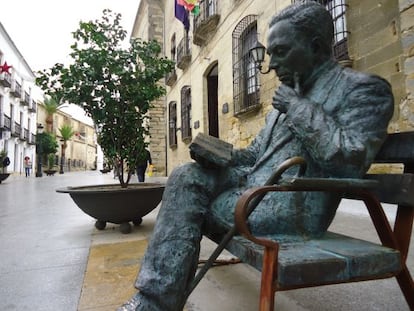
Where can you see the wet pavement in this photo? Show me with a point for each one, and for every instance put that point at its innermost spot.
(49, 247)
(44, 242)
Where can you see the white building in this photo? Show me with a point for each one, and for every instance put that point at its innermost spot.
(18, 103)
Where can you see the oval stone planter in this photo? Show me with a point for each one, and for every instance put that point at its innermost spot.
(3, 176)
(111, 203)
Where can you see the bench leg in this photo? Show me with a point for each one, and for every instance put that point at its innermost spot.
(407, 286)
(269, 274)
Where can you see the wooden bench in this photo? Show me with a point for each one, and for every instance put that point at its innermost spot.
(289, 263)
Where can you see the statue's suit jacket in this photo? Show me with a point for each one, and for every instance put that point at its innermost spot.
(338, 127)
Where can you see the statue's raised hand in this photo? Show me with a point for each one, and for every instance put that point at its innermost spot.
(285, 94)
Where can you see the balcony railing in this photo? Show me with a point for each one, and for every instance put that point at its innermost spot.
(32, 106)
(170, 78)
(17, 130)
(26, 100)
(17, 90)
(184, 53)
(7, 123)
(206, 22)
(32, 140)
(26, 135)
(5, 79)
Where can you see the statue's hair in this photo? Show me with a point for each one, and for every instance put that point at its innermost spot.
(310, 18)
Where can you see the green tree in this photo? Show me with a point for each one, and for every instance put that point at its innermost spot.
(51, 105)
(46, 144)
(66, 131)
(115, 85)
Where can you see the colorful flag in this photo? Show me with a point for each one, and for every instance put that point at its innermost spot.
(5, 68)
(196, 10)
(182, 15)
(188, 4)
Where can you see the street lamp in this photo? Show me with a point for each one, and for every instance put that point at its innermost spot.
(62, 156)
(257, 52)
(39, 151)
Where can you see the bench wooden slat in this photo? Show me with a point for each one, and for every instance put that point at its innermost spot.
(334, 258)
(398, 148)
(394, 188)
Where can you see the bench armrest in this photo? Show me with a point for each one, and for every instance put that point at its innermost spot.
(348, 186)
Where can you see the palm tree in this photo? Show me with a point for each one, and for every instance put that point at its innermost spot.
(66, 131)
(51, 105)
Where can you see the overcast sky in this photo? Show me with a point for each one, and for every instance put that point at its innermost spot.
(42, 29)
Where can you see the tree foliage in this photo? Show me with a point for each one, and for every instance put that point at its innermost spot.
(113, 84)
(66, 131)
(46, 143)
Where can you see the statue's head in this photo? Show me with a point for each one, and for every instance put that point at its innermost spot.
(300, 40)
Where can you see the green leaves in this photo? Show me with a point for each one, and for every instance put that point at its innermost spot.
(112, 83)
(66, 131)
(46, 143)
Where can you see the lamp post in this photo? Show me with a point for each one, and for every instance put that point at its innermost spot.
(39, 151)
(257, 52)
(62, 156)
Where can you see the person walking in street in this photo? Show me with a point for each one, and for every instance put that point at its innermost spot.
(27, 166)
(142, 166)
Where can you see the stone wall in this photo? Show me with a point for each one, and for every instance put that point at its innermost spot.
(376, 32)
(151, 26)
(406, 106)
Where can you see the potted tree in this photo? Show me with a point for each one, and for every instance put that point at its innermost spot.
(51, 163)
(115, 85)
(66, 131)
(47, 145)
(4, 162)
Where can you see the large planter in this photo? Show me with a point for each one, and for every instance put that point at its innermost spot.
(111, 203)
(3, 176)
(50, 172)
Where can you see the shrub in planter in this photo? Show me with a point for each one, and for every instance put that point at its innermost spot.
(113, 84)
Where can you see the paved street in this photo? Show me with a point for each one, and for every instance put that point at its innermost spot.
(45, 241)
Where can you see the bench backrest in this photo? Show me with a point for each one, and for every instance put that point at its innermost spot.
(397, 188)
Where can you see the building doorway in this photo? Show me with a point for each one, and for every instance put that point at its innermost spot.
(212, 94)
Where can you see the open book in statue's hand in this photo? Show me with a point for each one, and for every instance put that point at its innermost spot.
(210, 151)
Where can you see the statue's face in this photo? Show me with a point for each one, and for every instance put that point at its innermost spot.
(290, 52)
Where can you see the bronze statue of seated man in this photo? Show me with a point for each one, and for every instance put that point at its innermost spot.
(333, 117)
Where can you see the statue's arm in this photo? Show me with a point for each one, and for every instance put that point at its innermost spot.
(346, 140)
(248, 156)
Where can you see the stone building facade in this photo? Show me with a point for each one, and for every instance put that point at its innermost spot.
(215, 88)
(81, 151)
(149, 25)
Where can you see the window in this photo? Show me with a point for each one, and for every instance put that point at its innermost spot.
(173, 47)
(245, 76)
(172, 128)
(186, 113)
(337, 8)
